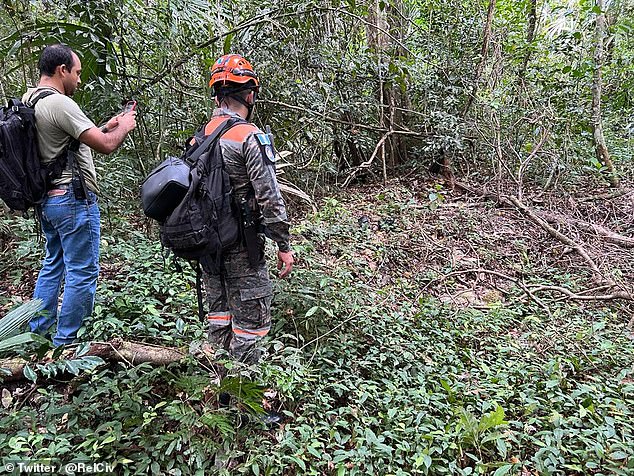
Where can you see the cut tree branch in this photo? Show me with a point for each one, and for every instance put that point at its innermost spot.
(511, 200)
(117, 350)
(604, 196)
(518, 282)
(583, 297)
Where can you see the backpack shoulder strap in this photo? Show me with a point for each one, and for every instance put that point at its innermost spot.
(35, 97)
(211, 138)
(67, 158)
(74, 144)
(27, 109)
(43, 95)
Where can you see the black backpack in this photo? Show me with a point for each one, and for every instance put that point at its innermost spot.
(207, 221)
(24, 180)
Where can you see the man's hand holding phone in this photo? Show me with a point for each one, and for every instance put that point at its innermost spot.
(130, 106)
(127, 118)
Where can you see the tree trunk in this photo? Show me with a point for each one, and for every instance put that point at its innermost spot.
(483, 55)
(600, 147)
(391, 98)
(345, 147)
(530, 36)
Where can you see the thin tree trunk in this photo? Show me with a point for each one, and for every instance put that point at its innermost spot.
(381, 46)
(530, 36)
(390, 97)
(397, 97)
(483, 55)
(601, 149)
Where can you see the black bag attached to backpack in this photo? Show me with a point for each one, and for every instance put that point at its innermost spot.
(207, 221)
(165, 188)
(24, 180)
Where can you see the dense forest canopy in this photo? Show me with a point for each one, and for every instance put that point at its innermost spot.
(459, 179)
(504, 86)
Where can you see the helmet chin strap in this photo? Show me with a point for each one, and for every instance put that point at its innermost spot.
(244, 102)
(250, 113)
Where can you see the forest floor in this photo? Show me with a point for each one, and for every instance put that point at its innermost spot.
(472, 250)
(424, 331)
(488, 247)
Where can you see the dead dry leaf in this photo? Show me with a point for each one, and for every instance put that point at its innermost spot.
(7, 398)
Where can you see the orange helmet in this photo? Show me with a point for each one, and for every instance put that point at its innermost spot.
(232, 69)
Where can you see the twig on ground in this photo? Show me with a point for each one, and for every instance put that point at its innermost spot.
(604, 196)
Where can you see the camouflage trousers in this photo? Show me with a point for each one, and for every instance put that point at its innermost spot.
(239, 299)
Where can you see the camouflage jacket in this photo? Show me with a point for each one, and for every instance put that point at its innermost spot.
(249, 159)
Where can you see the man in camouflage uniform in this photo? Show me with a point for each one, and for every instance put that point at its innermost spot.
(239, 294)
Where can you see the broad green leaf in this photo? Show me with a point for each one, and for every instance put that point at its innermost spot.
(72, 366)
(492, 419)
(18, 317)
(312, 311)
(29, 374)
(82, 349)
(618, 455)
(502, 470)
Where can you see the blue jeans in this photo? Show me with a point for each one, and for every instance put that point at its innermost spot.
(72, 232)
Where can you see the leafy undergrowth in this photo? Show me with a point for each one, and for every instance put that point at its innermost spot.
(380, 361)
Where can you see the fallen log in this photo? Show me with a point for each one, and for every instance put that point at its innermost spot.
(602, 232)
(116, 350)
(618, 291)
(555, 234)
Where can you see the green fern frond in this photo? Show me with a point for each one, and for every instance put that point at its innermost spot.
(221, 423)
(248, 393)
(18, 317)
(18, 341)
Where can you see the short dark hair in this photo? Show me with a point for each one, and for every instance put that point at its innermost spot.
(229, 89)
(54, 56)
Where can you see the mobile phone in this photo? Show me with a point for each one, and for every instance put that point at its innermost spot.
(129, 106)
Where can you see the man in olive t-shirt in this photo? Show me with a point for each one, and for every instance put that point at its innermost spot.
(57, 114)
(70, 224)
